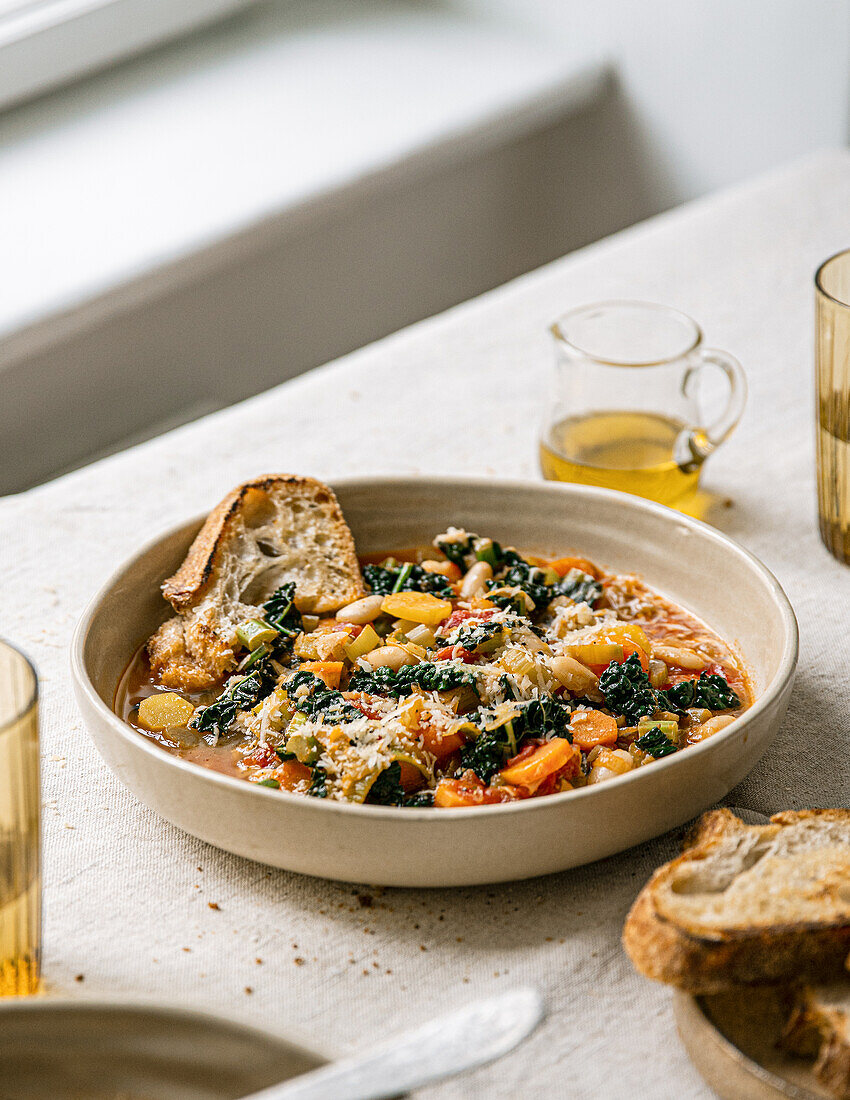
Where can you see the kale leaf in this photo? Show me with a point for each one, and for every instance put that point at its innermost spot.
(456, 551)
(281, 613)
(713, 693)
(488, 753)
(387, 789)
(710, 691)
(427, 675)
(543, 717)
(475, 636)
(627, 690)
(244, 693)
(382, 580)
(655, 743)
(419, 798)
(579, 587)
(216, 718)
(319, 784)
(320, 703)
(521, 574)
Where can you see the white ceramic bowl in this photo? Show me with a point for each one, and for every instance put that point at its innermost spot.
(95, 1050)
(689, 562)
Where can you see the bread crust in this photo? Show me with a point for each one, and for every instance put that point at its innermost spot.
(267, 531)
(715, 961)
(189, 584)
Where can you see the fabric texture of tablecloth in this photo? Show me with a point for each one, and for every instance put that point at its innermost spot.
(129, 898)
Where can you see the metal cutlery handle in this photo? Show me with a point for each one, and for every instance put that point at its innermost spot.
(462, 1040)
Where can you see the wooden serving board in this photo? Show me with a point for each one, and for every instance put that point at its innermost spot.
(732, 1039)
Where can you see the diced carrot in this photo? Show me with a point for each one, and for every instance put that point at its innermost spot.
(470, 791)
(327, 671)
(591, 727)
(548, 758)
(445, 568)
(440, 743)
(562, 566)
(290, 774)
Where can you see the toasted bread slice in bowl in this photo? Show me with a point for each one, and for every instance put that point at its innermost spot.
(273, 529)
(413, 847)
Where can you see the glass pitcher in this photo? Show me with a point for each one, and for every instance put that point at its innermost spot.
(627, 410)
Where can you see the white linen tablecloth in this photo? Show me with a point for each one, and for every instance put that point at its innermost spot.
(128, 897)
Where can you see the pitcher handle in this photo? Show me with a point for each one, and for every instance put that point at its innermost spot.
(702, 441)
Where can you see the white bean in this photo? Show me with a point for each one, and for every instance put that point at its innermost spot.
(713, 725)
(475, 581)
(390, 656)
(681, 658)
(361, 611)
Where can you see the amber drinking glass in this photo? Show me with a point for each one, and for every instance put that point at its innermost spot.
(832, 364)
(20, 863)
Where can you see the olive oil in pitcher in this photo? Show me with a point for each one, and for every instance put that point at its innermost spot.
(636, 452)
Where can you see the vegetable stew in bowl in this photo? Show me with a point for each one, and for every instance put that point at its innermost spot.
(470, 674)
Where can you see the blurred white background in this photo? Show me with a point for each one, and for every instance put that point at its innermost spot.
(202, 198)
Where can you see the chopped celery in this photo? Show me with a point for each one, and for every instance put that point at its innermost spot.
(364, 643)
(269, 783)
(297, 721)
(254, 632)
(403, 577)
(422, 635)
(550, 576)
(669, 729)
(253, 657)
(305, 748)
(486, 551)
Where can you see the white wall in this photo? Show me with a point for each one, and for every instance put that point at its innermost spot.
(718, 90)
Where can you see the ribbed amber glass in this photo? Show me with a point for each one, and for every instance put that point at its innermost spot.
(20, 847)
(832, 364)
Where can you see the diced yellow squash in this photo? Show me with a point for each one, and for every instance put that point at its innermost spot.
(161, 712)
(630, 631)
(418, 607)
(597, 653)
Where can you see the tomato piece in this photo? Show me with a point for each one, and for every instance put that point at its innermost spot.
(458, 653)
(291, 774)
(363, 702)
(411, 777)
(263, 756)
(591, 727)
(547, 759)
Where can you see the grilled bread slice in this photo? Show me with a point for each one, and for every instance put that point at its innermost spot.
(265, 533)
(819, 1028)
(747, 904)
